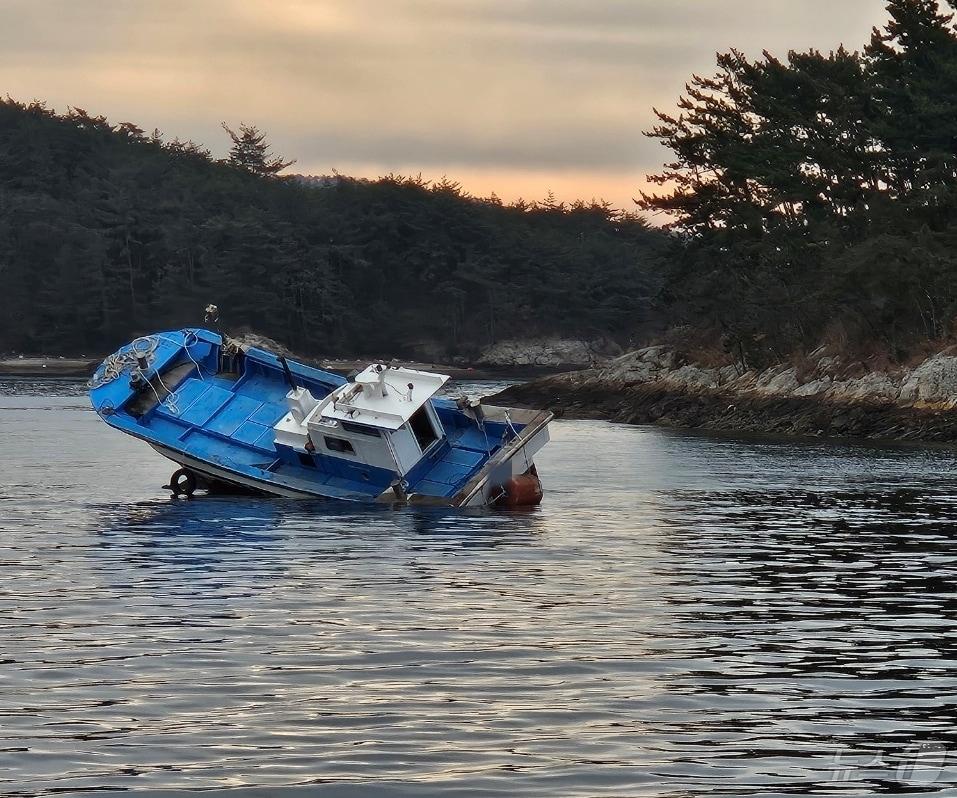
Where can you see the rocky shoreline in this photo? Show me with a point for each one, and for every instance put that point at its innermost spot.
(826, 396)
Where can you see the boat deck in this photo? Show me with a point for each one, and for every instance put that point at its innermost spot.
(211, 415)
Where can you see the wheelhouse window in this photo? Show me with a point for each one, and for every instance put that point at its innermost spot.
(359, 429)
(338, 445)
(422, 428)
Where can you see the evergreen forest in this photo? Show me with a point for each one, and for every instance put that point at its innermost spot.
(108, 232)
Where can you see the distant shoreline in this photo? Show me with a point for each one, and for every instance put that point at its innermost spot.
(47, 367)
(83, 368)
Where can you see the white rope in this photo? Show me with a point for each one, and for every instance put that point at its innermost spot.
(186, 345)
(488, 447)
(120, 362)
(144, 347)
(406, 394)
(171, 401)
(511, 426)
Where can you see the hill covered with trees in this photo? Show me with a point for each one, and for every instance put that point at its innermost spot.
(815, 198)
(107, 232)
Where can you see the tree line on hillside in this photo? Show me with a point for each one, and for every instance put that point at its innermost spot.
(814, 199)
(107, 232)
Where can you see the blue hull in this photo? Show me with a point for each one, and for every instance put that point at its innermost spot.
(212, 409)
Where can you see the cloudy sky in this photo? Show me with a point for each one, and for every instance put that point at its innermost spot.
(513, 96)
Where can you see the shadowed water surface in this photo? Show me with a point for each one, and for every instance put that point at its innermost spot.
(683, 616)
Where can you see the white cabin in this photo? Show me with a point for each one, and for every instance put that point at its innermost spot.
(382, 419)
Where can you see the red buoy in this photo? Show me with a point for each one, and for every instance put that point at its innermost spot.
(525, 490)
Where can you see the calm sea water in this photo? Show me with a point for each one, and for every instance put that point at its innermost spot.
(683, 616)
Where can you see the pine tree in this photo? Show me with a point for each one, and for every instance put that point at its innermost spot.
(914, 63)
(251, 152)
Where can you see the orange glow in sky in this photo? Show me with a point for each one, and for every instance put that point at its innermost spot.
(518, 97)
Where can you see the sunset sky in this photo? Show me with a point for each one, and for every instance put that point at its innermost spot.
(513, 96)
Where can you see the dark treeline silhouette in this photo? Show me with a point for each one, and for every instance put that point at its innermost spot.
(107, 232)
(815, 199)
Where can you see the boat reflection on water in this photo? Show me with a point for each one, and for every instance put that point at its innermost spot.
(209, 526)
(197, 559)
(166, 538)
(211, 519)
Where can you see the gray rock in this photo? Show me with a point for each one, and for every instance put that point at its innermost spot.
(875, 386)
(659, 356)
(257, 341)
(728, 374)
(630, 373)
(777, 381)
(693, 377)
(933, 382)
(827, 364)
(550, 352)
(813, 388)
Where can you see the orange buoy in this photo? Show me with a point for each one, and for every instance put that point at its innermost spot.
(525, 490)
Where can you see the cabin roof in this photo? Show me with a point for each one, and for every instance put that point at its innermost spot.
(380, 396)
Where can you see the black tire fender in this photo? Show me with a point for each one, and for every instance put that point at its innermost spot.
(183, 482)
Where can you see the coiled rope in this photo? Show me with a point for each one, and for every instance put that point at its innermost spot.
(120, 363)
(144, 348)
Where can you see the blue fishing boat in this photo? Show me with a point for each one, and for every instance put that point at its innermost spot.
(234, 417)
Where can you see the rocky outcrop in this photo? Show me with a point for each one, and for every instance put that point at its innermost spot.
(825, 395)
(259, 341)
(548, 353)
(933, 382)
